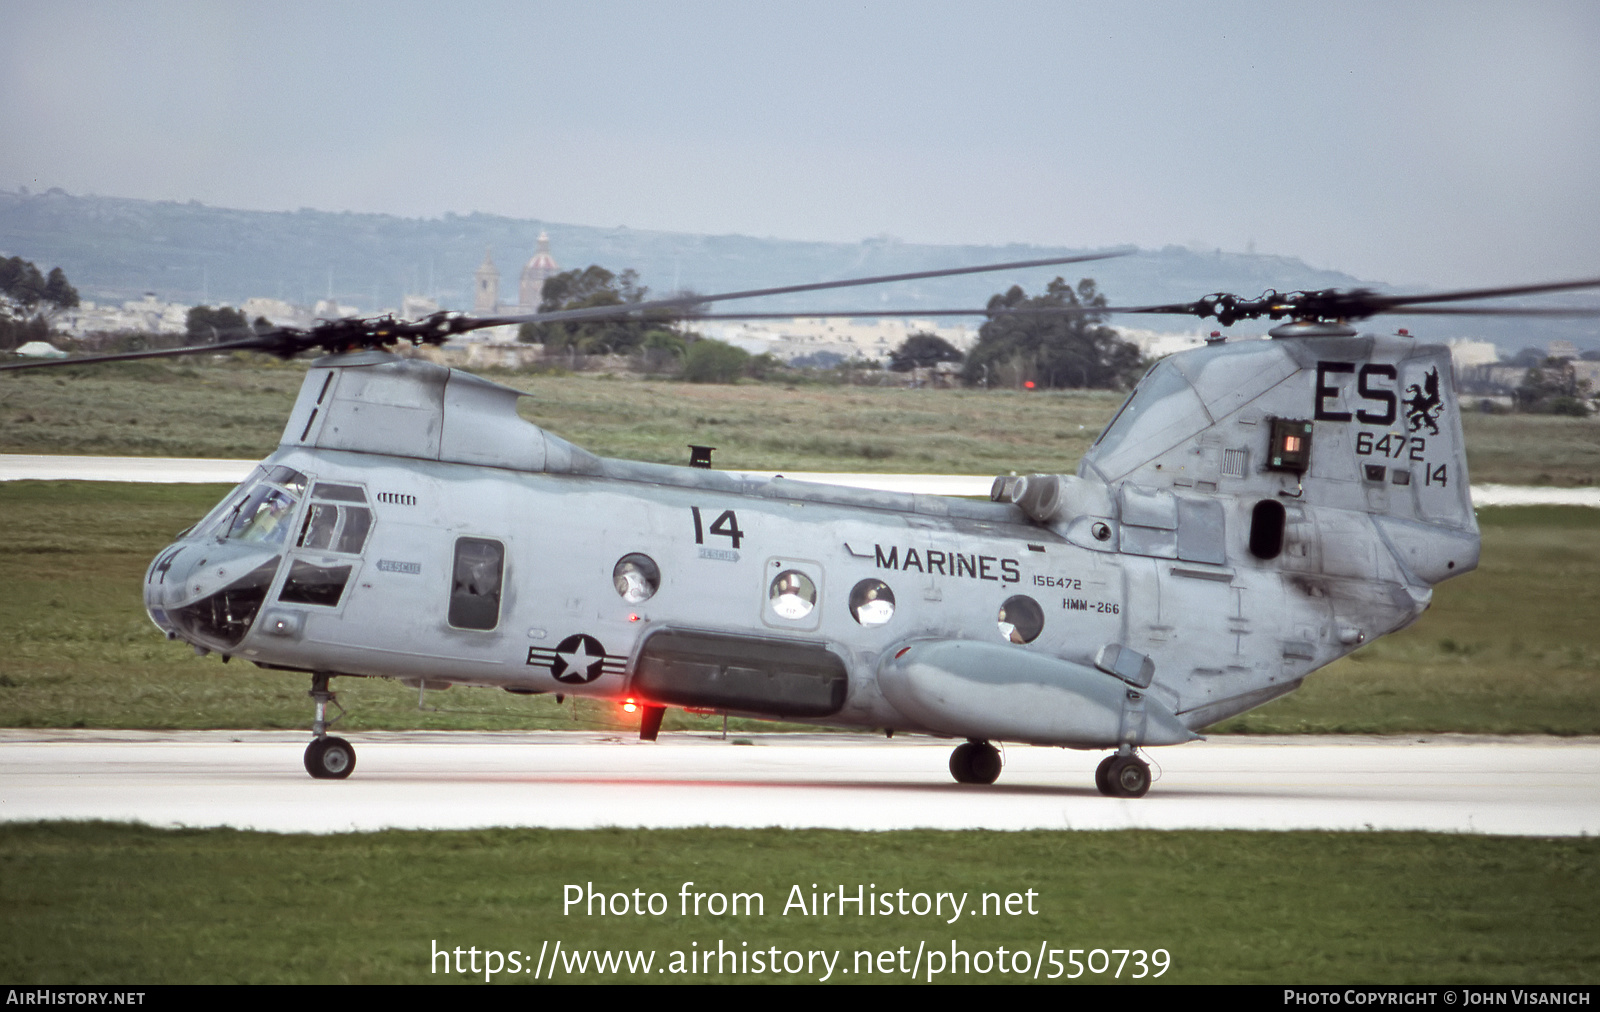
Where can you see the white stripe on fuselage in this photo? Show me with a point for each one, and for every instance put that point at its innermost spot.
(197, 470)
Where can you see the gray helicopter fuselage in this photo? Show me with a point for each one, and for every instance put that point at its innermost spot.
(412, 526)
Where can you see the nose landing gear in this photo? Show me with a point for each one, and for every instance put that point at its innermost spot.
(330, 758)
(976, 762)
(327, 757)
(1122, 775)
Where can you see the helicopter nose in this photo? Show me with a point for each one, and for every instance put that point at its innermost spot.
(155, 586)
(208, 592)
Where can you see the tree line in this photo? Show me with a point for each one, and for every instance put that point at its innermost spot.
(28, 299)
(1057, 342)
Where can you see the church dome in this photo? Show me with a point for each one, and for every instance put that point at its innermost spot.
(540, 268)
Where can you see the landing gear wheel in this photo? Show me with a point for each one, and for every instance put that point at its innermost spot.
(330, 758)
(1102, 778)
(1127, 776)
(976, 762)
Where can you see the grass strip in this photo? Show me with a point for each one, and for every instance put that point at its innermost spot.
(95, 902)
(237, 408)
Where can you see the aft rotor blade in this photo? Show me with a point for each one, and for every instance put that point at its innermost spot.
(1486, 293)
(1575, 311)
(685, 302)
(247, 344)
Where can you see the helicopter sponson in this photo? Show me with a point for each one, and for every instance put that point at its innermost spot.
(1255, 510)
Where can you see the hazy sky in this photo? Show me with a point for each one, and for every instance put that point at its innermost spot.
(1429, 143)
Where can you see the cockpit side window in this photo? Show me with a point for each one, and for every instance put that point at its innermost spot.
(475, 586)
(332, 528)
(336, 526)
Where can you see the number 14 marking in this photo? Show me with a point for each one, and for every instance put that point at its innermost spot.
(726, 525)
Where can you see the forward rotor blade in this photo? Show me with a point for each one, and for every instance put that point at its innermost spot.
(595, 312)
(868, 314)
(246, 344)
(1017, 311)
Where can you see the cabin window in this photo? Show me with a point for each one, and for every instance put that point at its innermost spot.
(792, 595)
(475, 586)
(872, 603)
(1021, 619)
(636, 577)
(1266, 529)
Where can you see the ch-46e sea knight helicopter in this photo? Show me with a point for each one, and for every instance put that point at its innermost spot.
(1255, 510)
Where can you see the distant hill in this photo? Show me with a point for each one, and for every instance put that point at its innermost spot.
(115, 249)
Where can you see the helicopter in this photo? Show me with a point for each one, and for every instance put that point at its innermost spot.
(1255, 510)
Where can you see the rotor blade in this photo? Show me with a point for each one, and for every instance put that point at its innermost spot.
(871, 313)
(1495, 311)
(1485, 293)
(247, 344)
(684, 302)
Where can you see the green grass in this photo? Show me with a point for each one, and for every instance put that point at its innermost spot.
(1510, 649)
(149, 409)
(237, 409)
(1532, 449)
(96, 903)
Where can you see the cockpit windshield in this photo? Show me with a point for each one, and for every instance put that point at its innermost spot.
(260, 512)
(263, 516)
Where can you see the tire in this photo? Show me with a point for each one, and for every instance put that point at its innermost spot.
(1102, 775)
(984, 764)
(961, 763)
(975, 762)
(330, 758)
(1129, 777)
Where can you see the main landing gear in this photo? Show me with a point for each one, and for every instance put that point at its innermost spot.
(327, 757)
(976, 762)
(1122, 775)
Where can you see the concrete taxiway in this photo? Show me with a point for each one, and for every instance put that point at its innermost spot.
(436, 780)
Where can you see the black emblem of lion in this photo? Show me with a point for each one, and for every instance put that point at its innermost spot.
(1424, 403)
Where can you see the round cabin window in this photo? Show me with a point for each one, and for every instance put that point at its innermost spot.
(872, 603)
(792, 594)
(636, 577)
(1021, 619)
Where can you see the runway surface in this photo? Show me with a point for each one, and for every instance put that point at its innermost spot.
(181, 470)
(429, 780)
